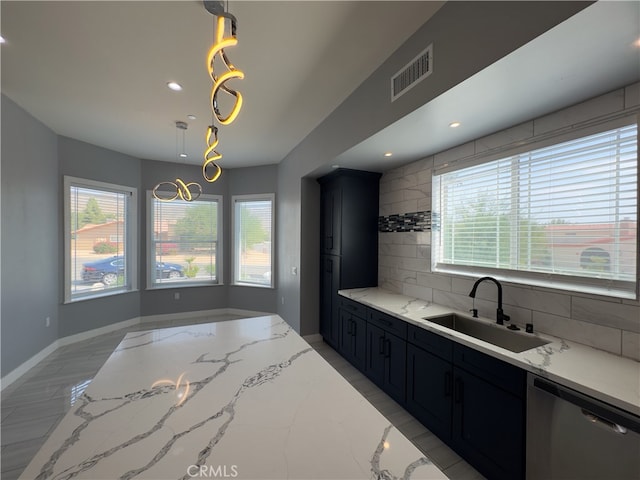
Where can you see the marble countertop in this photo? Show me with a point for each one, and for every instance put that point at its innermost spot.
(246, 399)
(608, 377)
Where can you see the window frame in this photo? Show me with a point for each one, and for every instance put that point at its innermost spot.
(624, 289)
(130, 242)
(270, 197)
(151, 251)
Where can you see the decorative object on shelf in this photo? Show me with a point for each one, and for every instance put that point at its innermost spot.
(170, 191)
(224, 23)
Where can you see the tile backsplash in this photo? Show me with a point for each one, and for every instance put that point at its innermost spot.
(602, 322)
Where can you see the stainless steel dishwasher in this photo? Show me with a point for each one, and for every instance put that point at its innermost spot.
(573, 436)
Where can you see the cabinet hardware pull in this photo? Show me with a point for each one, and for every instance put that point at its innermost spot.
(458, 390)
(381, 345)
(349, 327)
(387, 344)
(447, 384)
(614, 427)
(354, 328)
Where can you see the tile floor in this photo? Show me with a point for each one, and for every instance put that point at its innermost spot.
(32, 406)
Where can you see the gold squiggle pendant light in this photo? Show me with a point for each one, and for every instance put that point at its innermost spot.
(224, 19)
(170, 191)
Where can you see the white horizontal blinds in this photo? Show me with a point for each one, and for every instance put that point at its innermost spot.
(253, 224)
(98, 231)
(568, 209)
(185, 234)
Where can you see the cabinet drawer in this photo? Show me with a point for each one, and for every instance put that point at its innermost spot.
(497, 372)
(431, 342)
(355, 308)
(387, 322)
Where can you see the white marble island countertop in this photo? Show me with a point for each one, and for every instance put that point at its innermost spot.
(608, 377)
(246, 399)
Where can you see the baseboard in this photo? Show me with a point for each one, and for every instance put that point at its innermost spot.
(80, 337)
(313, 338)
(19, 371)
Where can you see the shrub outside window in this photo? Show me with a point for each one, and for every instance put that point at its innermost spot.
(100, 239)
(253, 227)
(184, 244)
(563, 216)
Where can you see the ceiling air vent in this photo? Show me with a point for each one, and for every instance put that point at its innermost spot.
(412, 73)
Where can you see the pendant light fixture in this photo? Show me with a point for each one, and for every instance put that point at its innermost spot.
(170, 191)
(224, 37)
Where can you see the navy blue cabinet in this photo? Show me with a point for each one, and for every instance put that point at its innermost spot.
(348, 241)
(473, 402)
(386, 361)
(430, 391)
(353, 333)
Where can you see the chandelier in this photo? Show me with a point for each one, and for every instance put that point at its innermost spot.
(170, 191)
(224, 37)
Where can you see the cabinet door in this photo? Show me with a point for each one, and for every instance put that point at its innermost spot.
(331, 204)
(395, 378)
(488, 427)
(429, 391)
(359, 345)
(375, 360)
(329, 311)
(353, 338)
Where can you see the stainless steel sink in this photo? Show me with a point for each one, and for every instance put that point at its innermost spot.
(494, 334)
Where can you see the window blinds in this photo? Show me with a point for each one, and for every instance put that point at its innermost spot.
(568, 209)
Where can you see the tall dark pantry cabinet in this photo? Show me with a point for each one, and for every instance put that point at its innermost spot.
(349, 242)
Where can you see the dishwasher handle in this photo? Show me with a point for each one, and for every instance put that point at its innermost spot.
(595, 411)
(614, 427)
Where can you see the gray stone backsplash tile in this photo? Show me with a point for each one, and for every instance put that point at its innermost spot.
(612, 314)
(608, 103)
(598, 336)
(631, 345)
(511, 135)
(632, 95)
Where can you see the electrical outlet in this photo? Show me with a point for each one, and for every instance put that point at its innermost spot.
(176, 296)
(47, 322)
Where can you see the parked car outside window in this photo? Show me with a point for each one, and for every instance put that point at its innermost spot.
(107, 270)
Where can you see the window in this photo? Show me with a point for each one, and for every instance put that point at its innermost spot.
(100, 239)
(184, 241)
(252, 240)
(563, 215)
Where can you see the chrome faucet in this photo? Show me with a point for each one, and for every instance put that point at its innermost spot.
(500, 316)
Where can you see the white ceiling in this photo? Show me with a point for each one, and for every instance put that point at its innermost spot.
(97, 72)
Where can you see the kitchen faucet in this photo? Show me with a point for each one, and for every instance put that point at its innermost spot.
(500, 316)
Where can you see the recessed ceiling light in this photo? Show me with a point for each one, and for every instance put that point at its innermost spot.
(637, 43)
(183, 155)
(2, 40)
(174, 86)
(454, 124)
(388, 154)
(335, 166)
(191, 117)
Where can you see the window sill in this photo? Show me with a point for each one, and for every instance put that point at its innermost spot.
(541, 281)
(174, 285)
(96, 295)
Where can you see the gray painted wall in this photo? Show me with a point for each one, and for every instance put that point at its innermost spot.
(30, 236)
(34, 162)
(468, 37)
(83, 160)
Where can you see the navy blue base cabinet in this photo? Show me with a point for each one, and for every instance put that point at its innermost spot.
(471, 401)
